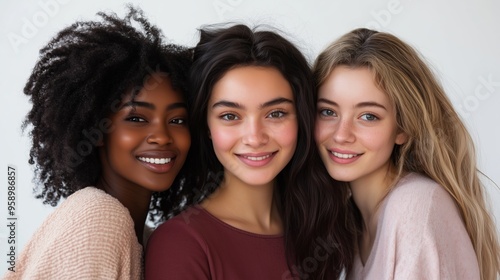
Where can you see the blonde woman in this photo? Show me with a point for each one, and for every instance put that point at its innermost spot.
(386, 128)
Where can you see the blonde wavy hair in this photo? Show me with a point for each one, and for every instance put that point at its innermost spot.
(438, 145)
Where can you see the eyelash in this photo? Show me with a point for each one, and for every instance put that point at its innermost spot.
(375, 118)
(225, 117)
(135, 119)
(322, 113)
(179, 121)
(328, 113)
(176, 121)
(234, 117)
(281, 113)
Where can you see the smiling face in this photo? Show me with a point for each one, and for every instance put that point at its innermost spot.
(253, 124)
(356, 127)
(150, 139)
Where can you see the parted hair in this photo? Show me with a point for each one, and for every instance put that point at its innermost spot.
(81, 77)
(439, 144)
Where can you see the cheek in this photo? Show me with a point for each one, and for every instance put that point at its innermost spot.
(183, 140)
(378, 139)
(223, 139)
(322, 131)
(286, 135)
(121, 139)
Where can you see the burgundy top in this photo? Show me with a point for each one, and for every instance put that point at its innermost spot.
(197, 245)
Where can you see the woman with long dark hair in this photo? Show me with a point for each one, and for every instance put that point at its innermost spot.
(267, 208)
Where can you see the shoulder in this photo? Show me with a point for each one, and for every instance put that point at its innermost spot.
(91, 214)
(189, 225)
(419, 208)
(414, 185)
(422, 224)
(93, 209)
(93, 224)
(94, 200)
(419, 204)
(178, 247)
(417, 193)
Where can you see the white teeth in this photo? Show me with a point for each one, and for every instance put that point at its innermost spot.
(155, 160)
(257, 158)
(339, 155)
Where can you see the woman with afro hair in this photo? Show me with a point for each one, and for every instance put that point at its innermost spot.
(110, 134)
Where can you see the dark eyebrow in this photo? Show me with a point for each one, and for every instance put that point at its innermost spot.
(152, 106)
(176, 106)
(276, 101)
(359, 105)
(133, 103)
(327, 102)
(273, 102)
(225, 103)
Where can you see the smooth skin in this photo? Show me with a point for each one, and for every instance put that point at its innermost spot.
(253, 127)
(356, 132)
(146, 148)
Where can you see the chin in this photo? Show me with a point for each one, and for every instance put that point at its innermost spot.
(339, 177)
(261, 181)
(161, 187)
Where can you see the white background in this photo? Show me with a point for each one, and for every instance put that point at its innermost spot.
(459, 39)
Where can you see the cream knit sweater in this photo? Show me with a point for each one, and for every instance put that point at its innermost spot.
(89, 236)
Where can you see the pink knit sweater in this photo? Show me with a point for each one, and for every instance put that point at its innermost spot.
(89, 236)
(420, 235)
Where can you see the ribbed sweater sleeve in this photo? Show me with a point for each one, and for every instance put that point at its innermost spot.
(89, 236)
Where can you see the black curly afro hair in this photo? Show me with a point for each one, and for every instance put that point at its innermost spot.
(81, 75)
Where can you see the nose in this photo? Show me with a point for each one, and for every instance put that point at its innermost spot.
(343, 131)
(159, 135)
(255, 133)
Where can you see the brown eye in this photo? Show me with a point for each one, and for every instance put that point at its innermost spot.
(135, 119)
(277, 114)
(229, 117)
(179, 121)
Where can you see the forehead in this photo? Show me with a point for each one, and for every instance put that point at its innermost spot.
(352, 85)
(251, 85)
(156, 87)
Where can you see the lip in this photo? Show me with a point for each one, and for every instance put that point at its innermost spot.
(158, 168)
(256, 159)
(334, 155)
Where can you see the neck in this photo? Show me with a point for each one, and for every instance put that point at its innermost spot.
(368, 194)
(136, 203)
(248, 207)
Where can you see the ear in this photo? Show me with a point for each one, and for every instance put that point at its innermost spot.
(401, 138)
(209, 135)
